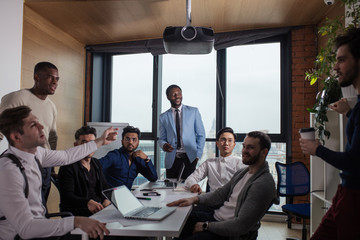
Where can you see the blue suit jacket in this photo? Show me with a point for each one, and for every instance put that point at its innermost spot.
(193, 134)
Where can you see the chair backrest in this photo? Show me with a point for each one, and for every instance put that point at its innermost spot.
(293, 179)
(55, 181)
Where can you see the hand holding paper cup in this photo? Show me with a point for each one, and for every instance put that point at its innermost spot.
(307, 133)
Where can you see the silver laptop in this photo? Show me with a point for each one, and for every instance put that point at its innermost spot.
(168, 184)
(130, 207)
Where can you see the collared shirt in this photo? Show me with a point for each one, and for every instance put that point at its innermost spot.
(182, 149)
(218, 170)
(26, 216)
(118, 172)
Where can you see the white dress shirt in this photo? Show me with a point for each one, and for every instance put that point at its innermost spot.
(26, 216)
(218, 170)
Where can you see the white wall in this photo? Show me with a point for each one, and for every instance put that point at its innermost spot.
(11, 24)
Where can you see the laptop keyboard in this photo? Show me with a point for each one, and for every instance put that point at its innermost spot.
(146, 212)
(170, 184)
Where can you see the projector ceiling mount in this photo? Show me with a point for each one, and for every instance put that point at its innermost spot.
(188, 39)
(188, 32)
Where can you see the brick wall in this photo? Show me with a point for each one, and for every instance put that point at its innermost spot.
(304, 50)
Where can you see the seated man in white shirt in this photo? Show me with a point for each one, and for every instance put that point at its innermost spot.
(219, 170)
(243, 200)
(22, 214)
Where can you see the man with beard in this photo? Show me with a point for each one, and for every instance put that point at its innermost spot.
(121, 166)
(243, 200)
(182, 135)
(46, 78)
(81, 183)
(342, 221)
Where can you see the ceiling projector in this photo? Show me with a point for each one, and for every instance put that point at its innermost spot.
(188, 39)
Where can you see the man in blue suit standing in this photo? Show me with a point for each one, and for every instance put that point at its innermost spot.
(182, 135)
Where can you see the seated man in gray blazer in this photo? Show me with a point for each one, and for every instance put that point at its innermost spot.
(243, 200)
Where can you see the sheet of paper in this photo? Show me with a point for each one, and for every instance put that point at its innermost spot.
(112, 216)
(175, 197)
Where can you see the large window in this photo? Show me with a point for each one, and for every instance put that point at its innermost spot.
(131, 92)
(253, 88)
(196, 75)
(254, 96)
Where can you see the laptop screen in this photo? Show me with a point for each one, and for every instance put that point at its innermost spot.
(123, 199)
(180, 173)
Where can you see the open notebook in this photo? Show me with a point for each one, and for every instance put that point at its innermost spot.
(130, 207)
(168, 183)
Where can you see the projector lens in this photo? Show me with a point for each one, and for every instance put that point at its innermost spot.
(188, 33)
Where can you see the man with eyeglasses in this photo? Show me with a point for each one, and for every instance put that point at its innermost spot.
(219, 170)
(121, 166)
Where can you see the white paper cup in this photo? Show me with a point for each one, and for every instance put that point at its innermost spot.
(307, 133)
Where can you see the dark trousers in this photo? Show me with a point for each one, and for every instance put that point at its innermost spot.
(181, 158)
(342, 220)
(200, 213)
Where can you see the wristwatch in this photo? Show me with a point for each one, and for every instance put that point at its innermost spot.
(205, 226)
(147, 159)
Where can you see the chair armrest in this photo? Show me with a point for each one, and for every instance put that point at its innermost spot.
(59, 214)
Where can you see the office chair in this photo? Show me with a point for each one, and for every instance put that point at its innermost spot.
(61, 214)
(294, 180)
(55, 181)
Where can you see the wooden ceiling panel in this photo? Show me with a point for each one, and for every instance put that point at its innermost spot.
(107, 21)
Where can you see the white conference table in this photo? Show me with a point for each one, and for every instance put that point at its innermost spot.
(170, 226)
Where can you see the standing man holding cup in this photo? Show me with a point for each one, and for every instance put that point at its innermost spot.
(342, 220)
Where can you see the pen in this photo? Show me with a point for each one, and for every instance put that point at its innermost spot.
(143, 198)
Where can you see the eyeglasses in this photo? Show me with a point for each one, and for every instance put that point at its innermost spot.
(127, 139)
(224, 140)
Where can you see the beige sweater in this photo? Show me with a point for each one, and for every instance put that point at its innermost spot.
(44, 110)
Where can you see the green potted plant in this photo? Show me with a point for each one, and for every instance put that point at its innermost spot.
(324, 64)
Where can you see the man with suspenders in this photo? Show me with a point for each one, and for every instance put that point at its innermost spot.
(23, 215)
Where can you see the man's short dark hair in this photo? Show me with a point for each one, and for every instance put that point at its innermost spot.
(171, 87)
(12, 120)
(265, 141)
(43, 65)
(351, 38)
(85, 130)
(130, 129)
(224, 130)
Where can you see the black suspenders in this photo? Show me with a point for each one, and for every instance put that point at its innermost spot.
(17, 162)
